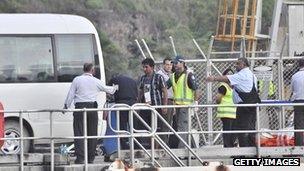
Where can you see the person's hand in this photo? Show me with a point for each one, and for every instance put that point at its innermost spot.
(164, 111)
(116, 87)
(210, 79)
(64, 107)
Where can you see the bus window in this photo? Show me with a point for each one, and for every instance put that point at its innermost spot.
(72, 52)
(24, 59)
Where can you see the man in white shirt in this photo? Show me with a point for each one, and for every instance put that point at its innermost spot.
(83, 92)
(166, 72)
(244, 92)
(297, 87)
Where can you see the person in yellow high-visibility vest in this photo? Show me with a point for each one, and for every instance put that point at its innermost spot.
(244, 92)
(184, 88)
(271, 89)
(226, 114)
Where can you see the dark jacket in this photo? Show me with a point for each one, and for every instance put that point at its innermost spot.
(127, 92)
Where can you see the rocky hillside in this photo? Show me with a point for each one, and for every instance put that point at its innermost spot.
(120, 22)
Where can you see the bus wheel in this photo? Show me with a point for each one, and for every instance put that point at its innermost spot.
(12, 130)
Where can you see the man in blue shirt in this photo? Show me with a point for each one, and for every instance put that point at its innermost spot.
(297, 87)
(244, 92)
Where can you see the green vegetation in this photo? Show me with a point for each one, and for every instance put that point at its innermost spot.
(94, 4)
(114, 62)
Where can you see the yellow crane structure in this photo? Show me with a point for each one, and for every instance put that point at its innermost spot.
(237, 19)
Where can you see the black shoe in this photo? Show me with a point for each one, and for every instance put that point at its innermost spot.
(79, 161)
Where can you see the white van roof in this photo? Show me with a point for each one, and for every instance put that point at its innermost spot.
(44, 24)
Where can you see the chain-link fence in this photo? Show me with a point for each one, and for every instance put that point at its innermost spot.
(272, 117)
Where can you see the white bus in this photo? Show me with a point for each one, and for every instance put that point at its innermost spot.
(40, 54)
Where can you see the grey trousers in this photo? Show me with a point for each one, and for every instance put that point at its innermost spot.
(182, 115)
(169, 118)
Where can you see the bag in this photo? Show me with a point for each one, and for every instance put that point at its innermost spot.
(277, 139)
(110, 144)
(251, 97)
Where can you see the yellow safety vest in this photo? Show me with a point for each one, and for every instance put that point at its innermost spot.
(226, 112)
(182, 94)
(271, 89)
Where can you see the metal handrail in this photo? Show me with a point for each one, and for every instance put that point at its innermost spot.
(142, 106)
(156, 107)
(152, 131)
(222, 59)
(110, 115)
(133, 111)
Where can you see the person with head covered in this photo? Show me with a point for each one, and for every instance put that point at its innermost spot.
(244, 92)
(184, 88)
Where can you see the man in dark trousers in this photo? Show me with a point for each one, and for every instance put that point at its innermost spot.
(83, 92)
(152, 91)
(127, 94)
(226, 114)
(297, 87)
(166, 72)
(244, 92)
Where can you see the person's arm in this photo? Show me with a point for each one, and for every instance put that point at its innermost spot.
(140, 91)
(292, 88)
(223, 78)
(108, 89)
(70, 96)
(111, 97)
(193, 85)
(164, 93)
(165, 96)
(218, 98)
(221, 92)
(140, 95)
(164, 90)
(169, 83)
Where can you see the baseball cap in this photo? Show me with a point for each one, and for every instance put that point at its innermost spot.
(178, 59)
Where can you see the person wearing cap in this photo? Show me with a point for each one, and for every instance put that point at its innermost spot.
(83, 92)
(152, 91)
(184, 88)
(225, 113)
(297, 84)
(166, 72)
(244, 92)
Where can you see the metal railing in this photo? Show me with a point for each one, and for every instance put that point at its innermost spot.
(151, 131)
(282, 69)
